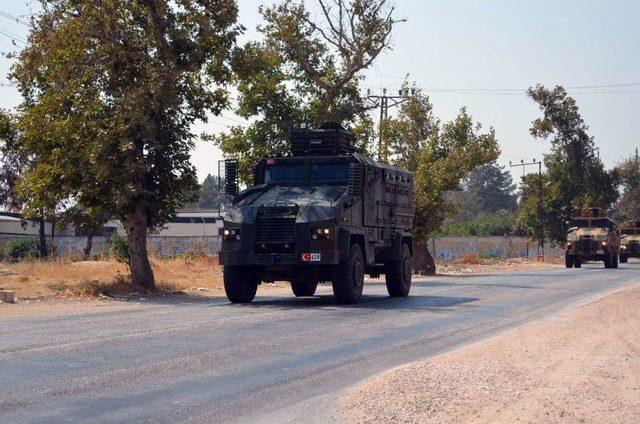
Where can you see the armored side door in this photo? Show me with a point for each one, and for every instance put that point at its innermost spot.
(372, 192)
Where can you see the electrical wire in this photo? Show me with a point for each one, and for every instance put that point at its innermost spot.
(16, 39)
(13, 18)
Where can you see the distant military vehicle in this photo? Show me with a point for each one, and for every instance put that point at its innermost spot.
(324, 213)
(592, 237)
(629, 241)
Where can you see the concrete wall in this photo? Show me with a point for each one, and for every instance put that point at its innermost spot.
(161, 245)
(452, 248)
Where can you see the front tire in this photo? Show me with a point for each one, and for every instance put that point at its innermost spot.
(398, 274)
(304, 288)
(623, 259)
(614, 261)
(568, 261)
(577, 263)
(348, 278)
(240, 283)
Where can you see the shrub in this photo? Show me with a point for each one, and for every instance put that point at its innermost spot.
(28, 248)
(118, 247)
(500, 223)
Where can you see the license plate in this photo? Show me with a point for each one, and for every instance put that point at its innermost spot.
(599, 252)
(311, 257)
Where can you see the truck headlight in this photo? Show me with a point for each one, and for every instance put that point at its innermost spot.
(322, 233)
(231, 234)
(604, 243)
(623, 246)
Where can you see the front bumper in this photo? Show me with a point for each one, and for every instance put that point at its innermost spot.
(326, 257)
(589, 250)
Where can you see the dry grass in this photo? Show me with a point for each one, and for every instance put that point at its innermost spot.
(63, 277)
(469, 259)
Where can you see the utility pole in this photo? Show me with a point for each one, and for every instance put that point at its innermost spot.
(383, 101)
(540, 235)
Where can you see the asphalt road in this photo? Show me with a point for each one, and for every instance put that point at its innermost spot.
(279, 359)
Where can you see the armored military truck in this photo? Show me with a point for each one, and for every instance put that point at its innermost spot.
(592, 237)
(629, 241)
(324, 213)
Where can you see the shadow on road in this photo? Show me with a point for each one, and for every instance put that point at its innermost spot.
(411, 303)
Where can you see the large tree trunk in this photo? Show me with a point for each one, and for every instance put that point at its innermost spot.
(135, 224)
(423, 261)
(43, 239)
(52, 249)
(87, 247)
(430, 262)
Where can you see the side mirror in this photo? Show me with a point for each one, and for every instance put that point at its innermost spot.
(230, 177)
(356, 179)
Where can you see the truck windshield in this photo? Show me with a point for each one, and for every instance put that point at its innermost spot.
(319, 174)
(284, 173)
(630, 231)
(599, 223)
(330, 173)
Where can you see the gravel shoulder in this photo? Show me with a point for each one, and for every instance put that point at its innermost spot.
(582, 365)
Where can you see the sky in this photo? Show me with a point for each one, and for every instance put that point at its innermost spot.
(481, 55)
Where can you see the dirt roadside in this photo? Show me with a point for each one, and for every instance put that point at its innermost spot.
(579, 366)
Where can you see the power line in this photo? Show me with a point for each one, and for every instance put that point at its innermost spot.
(14, 38)
(523, 91)
(13, 18)
(232, 119)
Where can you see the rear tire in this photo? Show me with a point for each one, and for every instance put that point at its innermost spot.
(568, 261)
(614, 262)
(304, 288)
(348, 278)
(240, 283)
(398, 274)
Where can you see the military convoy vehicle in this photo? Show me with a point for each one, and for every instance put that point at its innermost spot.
(629, 241)
(592, 237)
(324, 213)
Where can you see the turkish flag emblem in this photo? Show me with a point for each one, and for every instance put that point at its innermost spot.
(306, 257)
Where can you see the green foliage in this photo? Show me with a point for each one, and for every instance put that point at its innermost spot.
(305, 70)
(209, 195)
(483, 224)
(491, 188)
(111, 89)
(440, 156)
(26, 248)
(628, 206)
(575, 176)
(118, 247)
(13, 162)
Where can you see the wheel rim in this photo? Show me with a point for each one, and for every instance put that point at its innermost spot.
(407, 270)
(358, 274)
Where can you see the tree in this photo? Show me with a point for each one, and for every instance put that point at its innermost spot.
(13, 162)
(111, 89)
(304, 71)
(440, 156)
(491, 187)
(575, 176)
(628, 206)
(210, 194)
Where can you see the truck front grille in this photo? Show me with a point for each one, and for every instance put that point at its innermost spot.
(587, 245)
(276, 229)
